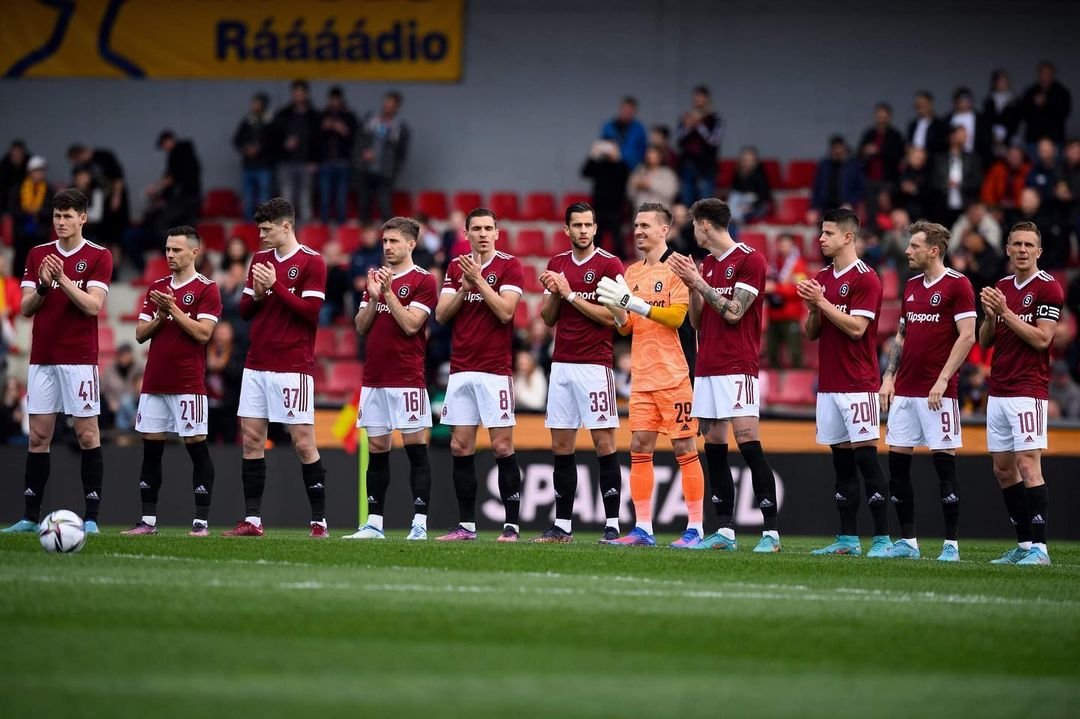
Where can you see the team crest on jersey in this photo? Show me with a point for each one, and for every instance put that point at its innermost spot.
(935, 300)
(659, 287)
(189, 298)
(80, 266)
(492, 278)
(403, 292)
(293, 272)
(1028, 299)
(729, 272)
(844, 289)
(590, 276)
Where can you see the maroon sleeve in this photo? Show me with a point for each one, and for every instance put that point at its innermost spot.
(101, 275)
(964, 301)
(209, 304)
(865, 298)
(426, 294)
(514, 278)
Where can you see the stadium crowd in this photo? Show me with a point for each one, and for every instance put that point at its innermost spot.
(977, 168)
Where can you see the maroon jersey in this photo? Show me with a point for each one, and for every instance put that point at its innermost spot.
(176, 362)
(1017, 369)
(394, 358)
(725, 348)
(64, 334)
(579, 340)
(481, 343)
(849, 365)
(930, 313)
(281, 340)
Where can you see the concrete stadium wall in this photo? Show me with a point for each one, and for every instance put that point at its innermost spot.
(541, 76)
(805, 492)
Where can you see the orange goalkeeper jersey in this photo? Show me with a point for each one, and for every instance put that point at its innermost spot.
(656, 355)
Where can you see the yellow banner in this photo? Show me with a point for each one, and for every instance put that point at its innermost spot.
(233, 39)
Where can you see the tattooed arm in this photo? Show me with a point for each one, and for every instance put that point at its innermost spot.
(888, 390)
(731, 310)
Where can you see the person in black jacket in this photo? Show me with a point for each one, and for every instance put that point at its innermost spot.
(12, 172)
(1001, 112)
(107, 175)
(252, 140)
(1045, 107)
(751, 195)
(927, 131)
(296, 137)
(337, 130)
(979, 138)
(609, 174)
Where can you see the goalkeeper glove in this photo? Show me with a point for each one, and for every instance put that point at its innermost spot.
(615, 293)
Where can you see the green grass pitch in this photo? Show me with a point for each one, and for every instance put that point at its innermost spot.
(284, 626)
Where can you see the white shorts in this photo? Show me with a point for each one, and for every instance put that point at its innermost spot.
(913, 424)
(475, 398)
(286, 397)
(581, 395)
(73, 389)
(384, 409)
(726, 396)
(184, 414)
(1015, 424)
(848, 417)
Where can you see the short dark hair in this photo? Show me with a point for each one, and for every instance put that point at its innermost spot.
(184, 231)
(70, 199)
(405, 225)
(715, 212)
(579, 207)
(263, 98)
(480, 212)
(1026, 226)
(336, 91)
(629, 100)
(299, 83)
(845, 218)
(397, 97)
(276, 210)
(837, 140)
(702, 90)
(75, 149)
(936, 235)
(884, 106)
(163, 136)
(962, 91)
(924, 93)
(658, 208)
(663, 130)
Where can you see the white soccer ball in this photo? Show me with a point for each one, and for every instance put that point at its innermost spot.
(62, 531)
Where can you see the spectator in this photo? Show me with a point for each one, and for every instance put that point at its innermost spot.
(838, 182)
(383, 147)
(83, 180)
(751, 195)
(224, 371)
(10, 301)
(1053, 227)
(119, 393)
(14, 424)
(1071, 168)
(681, 233)
(12, 173)
(927, 131)
(428, 252)
(231, 286)
(913, 193)
(700, 131)
(1005, 180)
(31, 210)
(1001, 112)
(1047, 171)
(367, 256)
(107, 175)
(1045, 107)
(337, 130)
(540, 342)
(604, 166)
(978, 140)
(652, 180)
(622, 372)
(1072, 296)
(253, 139)
(977, 259)
(977, 218)
(236, 253)
(454, 242)
(1064, 393)
(627, 132)
(337, 283)
(971, 388)
(881, 150)
(296, 137)
(530, 384)
(894, 242)
(783, 306)
(660, 135)
(955, 179)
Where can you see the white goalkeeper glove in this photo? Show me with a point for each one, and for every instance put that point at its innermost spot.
(615, 293)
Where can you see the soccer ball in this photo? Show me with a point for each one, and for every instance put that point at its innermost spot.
(62, 531)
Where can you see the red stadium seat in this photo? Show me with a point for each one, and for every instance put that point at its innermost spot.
(467, 201)
(757, 240)
(432, 204)
(541, 206)
(797, 388)
(505, 243)
(792, 211)
(771, 380)
(531, 243)
(401, 204)
(522, 314)
(571, 198)
(106, 340)
(889, 321)
(133, 316)
(314, 236)
(890, 284)
(7, 230)
(504, 205)
(249, 233)
(326, 342)
(725, 173)
(532, 279)
(772, 171)
(800, 174)
(344, 378)
(222, 202)
(213, 235)
(156, 268)
(348, 236)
